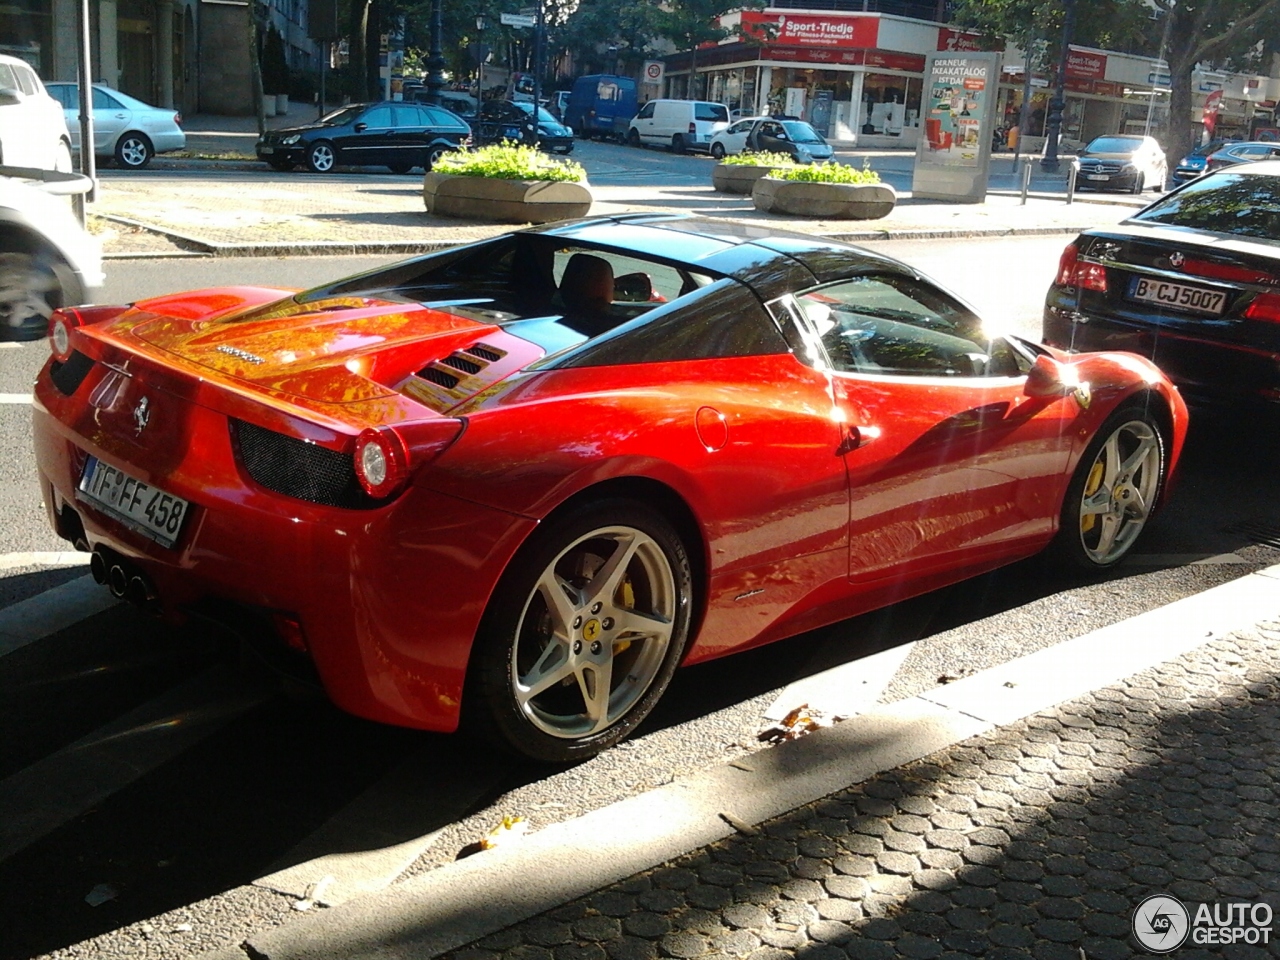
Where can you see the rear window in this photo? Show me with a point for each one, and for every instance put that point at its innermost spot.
(714, 112)
(1235, 203)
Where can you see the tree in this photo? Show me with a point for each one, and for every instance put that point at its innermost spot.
(596, 26)
(691, 23)
(1201, 31)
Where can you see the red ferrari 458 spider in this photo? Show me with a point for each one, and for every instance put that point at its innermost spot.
(518, 482)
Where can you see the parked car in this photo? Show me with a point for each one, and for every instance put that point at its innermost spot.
(601, 105)
(795, 138)
(47, 260)
(1193, 164)
(1190, 281)
(1122, 162)
(461, 105)
(396, 135)
(532, 475)
(33, 132)
(124, 128)
(558, 104)
(1244, 152)
(679, 125)
(506, 120)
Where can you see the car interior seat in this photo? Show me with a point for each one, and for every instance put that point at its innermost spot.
(586, 288)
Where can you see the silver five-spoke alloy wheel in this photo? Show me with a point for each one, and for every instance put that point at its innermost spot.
(594, 633)
(1119, 491)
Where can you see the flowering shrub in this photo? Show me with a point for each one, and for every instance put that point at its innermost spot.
(509, 161)
(828, 172)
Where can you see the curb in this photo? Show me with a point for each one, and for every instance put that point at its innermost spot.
(453, 905)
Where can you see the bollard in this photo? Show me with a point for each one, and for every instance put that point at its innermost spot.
(1071, 180)
(1026, 181)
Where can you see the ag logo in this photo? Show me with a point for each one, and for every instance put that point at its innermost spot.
(1161, 923)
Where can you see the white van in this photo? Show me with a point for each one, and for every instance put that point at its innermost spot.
(678, 124)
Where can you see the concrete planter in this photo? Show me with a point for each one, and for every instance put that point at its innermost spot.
(837, 201)
(737, 177)
(508, 201)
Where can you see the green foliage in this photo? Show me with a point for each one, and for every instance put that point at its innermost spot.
(510, 161)
(752, 158)
(1121, 25)
(828, 172)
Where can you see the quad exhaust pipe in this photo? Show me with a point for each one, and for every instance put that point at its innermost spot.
(121, 576)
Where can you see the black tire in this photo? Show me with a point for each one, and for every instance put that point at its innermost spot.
(321, 157)
(134, 151)
(678, 144)
(1139, 184)
(517, 638)
(717, 151)
(34, 285)
(399, 168)
(434, 154)
(633, 137)
(1122, 474)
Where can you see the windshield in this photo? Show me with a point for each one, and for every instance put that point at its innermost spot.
(343, 114)
(1114, 145)
(800, 132)
(1234, 203)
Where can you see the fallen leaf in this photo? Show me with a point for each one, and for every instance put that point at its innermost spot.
(511, 828)
(797, 723)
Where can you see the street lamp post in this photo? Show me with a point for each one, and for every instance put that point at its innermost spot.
(1056, 105)
(435, 62)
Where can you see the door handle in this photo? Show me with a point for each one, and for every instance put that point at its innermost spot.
(856, 437)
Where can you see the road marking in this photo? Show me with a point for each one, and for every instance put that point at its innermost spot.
(23, 399)
(375, 838)
(44, 558)
(46, 613)
(40, 798)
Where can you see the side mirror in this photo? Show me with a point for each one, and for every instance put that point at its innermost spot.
(361, 127)
(9, 96)
(780, 136)
(1049, 378)
(633, 288)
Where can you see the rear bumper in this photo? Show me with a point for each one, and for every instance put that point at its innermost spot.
(389, 599)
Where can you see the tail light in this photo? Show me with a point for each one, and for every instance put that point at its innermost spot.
(289, 630)
(177, 118)
(1073, 273)
(382, 462)
(693, 128)
(66, 319)
(1265, 306)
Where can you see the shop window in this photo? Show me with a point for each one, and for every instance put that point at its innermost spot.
(890, 104)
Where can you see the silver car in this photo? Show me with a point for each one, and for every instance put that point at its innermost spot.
(125, 129)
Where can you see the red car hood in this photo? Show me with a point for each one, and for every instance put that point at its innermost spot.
(339, 350)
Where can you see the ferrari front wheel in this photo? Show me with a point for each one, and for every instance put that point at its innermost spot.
(584, 632)
(1114, 490)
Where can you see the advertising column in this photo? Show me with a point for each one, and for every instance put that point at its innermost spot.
(959, 104)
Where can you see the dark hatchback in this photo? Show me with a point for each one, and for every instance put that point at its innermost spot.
(1193, 164)
(501, 120)
(399, 136)
(1191, 281)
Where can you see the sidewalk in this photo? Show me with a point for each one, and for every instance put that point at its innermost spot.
(373, 213)
(1024, 812)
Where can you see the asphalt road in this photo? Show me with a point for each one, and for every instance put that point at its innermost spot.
(144, 768)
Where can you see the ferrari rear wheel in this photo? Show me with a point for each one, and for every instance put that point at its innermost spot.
(1114, 490)
(584, 632)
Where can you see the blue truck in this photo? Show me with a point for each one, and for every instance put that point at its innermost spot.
(601, 105)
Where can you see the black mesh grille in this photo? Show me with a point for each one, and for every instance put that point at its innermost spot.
(439, 377)
(68, 376)
(484, 352)
(459, 362)
(298, 469)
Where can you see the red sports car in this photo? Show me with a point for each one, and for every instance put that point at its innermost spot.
(518, 482)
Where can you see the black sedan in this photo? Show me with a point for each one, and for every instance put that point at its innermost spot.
(507, 120)
(1191, 281)
(399, 136)
(1248, 151)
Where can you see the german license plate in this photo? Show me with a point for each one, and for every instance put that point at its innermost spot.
(1180, 296)
(138, 505)
(1097, 176)
(266, 149)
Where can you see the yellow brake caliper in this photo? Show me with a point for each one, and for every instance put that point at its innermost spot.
(628, 603)
(1090, 488)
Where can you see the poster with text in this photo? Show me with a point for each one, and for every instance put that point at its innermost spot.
(956, 103)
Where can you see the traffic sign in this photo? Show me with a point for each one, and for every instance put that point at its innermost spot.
(653, 71)
(517, 20)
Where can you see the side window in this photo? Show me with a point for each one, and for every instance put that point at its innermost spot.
(406, 115)
(64, 94)
(439, 118)
(895, 325)
(7, 80)
(27, 80)
(646, 112)
(105, 101)
(378, 117)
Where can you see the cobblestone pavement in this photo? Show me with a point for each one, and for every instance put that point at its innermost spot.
(1037, 840)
